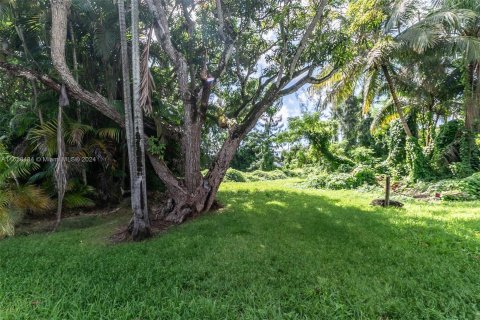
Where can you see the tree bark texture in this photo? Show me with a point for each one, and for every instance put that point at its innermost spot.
(141, 221)
(396, 101)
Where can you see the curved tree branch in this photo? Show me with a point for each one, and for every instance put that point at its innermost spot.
(60, 9)
(176, 57)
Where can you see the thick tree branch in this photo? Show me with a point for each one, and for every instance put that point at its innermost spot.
(60, 9)
(221, 21)
(176, 58)
(17, 71)
(161, 169)
(307, 79)
(284, 55)
(227, 40)
(308, 33)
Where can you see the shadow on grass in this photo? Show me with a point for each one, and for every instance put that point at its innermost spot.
(316, 216)
(269, 254)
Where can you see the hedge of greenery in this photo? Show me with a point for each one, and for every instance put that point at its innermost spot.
(233, 175)
(360, 176)
(450, 189)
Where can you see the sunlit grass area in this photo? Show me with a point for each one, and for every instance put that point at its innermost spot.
(274, 252)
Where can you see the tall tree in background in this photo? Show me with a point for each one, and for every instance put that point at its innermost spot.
(349, 117)
(269, 126)
(471, 64)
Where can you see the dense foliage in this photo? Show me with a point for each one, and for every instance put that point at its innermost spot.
(392, 87)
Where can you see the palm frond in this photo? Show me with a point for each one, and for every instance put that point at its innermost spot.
(449, 18)
(381, 52)
(75, 200)
(383, 117)
(403, 11)
(13, 167)
(7, 226)
(441, 27)
(342, 84)
(470, 46)
(147, 85)
(47, 172)
(114, 134)
(31, 198)
(369, 90)
(422, 37)
(76, 132)
(44, 138)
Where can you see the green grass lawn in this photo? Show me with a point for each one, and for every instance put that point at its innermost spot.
(274, 252)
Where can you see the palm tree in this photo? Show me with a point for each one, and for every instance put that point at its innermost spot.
(127, 99)
(140, 225)
(397, 41)
(454, 27)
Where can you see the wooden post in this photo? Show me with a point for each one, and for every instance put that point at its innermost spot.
(387, 192)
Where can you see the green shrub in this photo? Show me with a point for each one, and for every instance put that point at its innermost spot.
(233, 175)
(345, 168)
(455, 151)
(418, 166)
(341, 181)
(467, 189)
(471, 185)
(460, 169)
(317, 182)
(382, 168)
(364, 175)
(313, 171)
(337, 181)
(293, 173)
(258, 175)
(363, 155)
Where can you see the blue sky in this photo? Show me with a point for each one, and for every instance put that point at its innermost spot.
(291, 104)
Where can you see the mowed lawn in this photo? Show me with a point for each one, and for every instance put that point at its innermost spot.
(274, 252)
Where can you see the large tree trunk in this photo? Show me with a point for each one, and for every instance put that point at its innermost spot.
(181, 205)
(191, 146)
(396, 101)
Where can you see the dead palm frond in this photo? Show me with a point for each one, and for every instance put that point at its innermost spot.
(147, 85)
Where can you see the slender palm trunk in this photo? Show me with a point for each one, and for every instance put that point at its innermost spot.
(396, 101)
(127, 95)
(141, 223)
(472, 97)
